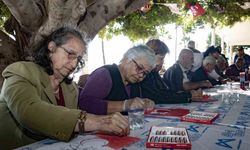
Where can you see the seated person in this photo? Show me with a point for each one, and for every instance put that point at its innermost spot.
(38, 99)
(108, 88)
(241, 53)
(219, 49)
(202, 73)
(216, 74)
(178, 76)
(233, 71)
(212, 51)
(153, 86)
(221, 66)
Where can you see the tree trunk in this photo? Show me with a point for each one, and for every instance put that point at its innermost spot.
(34, 19)
(8, 52)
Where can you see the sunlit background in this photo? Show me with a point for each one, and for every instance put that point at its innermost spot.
(116, 47)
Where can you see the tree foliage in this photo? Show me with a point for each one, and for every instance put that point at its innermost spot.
(217, 40)
(139, 25)
(4, 14)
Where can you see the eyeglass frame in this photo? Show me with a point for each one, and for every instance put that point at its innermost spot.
(140, 69)
(73, 56)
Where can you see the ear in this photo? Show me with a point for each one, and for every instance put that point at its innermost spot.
(51, 46)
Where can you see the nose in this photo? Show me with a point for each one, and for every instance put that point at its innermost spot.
(73, 63)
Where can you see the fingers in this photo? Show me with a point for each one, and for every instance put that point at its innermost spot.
(118, 125)
(123, 124)
(141, 103)
(121, 120)
(199, 90)
(148, 104)
(136, 103)
(208, 83)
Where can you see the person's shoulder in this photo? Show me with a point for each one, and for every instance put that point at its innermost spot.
(195, 50)
(177, 66)
(247, 55)
(100, 73)
(173, 69)
(233, 65)
(21, 67)
(198, 70)
(231, 68)
(174, 66)
(100, 70)
(22, 63)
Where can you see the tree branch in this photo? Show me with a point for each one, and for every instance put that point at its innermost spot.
(8, 53)
(28, 13)
(61, 13)
(135, 5)
(100, 13)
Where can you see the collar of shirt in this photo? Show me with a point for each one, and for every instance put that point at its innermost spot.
(183, 69)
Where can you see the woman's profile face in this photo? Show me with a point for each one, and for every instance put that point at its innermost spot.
(137, 69)
(65, 57)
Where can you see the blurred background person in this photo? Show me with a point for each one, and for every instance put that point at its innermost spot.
(233, 71)
(242, 54)
(201, 74)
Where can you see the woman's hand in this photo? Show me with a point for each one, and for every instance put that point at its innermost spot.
(111, 124)
(114, 124)
(139, 103)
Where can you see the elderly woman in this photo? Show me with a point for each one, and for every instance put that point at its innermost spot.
(39, 100)
(108, 88)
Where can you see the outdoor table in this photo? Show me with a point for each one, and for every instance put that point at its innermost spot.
(231, 130)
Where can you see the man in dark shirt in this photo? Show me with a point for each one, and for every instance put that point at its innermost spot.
(176, 75)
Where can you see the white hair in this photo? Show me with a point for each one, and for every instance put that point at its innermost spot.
(221, 59)
(141, 51)
(209, 60)
(184, 53)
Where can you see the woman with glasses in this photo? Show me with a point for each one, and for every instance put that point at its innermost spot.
(108, 88)
(39, 100)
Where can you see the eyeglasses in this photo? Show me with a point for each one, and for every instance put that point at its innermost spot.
(73, 56)
(140, 69)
